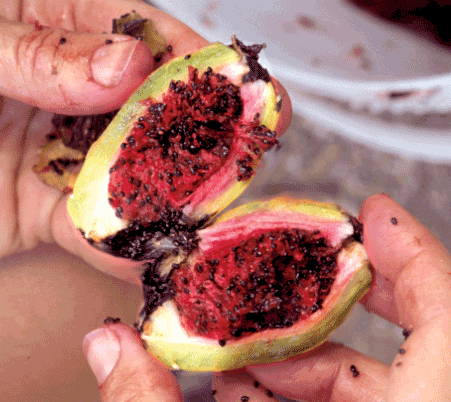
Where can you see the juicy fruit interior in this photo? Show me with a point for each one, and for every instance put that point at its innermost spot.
(197, 130)
(265, 280)
(268, 280)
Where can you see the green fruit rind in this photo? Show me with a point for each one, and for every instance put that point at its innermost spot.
(317, 210)
(88, 206)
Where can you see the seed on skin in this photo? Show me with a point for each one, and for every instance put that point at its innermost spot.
(269, 393)
(394, 221)
(244, 398)
(63, 41)
(354, 371)
(401, 351)
(256, 384)
(406, 333)
(111, 320)
(108, 42)
(398, 364)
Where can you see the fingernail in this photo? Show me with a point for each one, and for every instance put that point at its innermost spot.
(102, 350)
(109, 62)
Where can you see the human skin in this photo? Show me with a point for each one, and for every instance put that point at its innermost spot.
(412, 286)
(412, 268)
(31, 211)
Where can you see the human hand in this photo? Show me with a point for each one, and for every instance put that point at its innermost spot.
(40, 70)
(412, 287)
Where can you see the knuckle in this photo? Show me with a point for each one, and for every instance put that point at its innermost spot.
(36, 52)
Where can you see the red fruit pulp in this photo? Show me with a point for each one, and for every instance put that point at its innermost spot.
(270, 279)
(196, 131)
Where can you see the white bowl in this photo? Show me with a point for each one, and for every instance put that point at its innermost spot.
(345, 70)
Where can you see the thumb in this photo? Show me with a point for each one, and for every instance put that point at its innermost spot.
(60, 71)
(123, 368)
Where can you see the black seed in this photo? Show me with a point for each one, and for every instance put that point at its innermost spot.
(244, 398)
(213, 392)
(173, 189)
(256, 384)
(401, 351)
(222, 342)
(185, 280)
(108, 42)
(63, 41)
(199, 268)
(394, 221)
(406, 333)
(269, 393)
(123, 146)
(111, 320)
(141, 125)
(187, 56)
(186, 290)
(354, 371)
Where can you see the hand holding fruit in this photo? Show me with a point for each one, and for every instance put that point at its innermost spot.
(411, 289)
(55, 57)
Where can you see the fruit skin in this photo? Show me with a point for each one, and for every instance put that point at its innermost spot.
(164, 337)
(88, 206)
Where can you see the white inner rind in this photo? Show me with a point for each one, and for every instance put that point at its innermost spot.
(102, 220)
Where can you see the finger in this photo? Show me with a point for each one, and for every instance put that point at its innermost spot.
(97, 16)
(406, 255)
(332, 373)
(63, 71)
(65, 234)
(286, 112)
(229, 386)
(124, 370)
(419, 267)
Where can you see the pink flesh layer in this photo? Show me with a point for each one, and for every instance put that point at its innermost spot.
(243, 226)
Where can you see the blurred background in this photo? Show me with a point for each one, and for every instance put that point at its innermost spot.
(371, 95)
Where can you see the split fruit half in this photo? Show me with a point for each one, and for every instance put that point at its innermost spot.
(180, 150)
(269, 280)
(260, 283)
